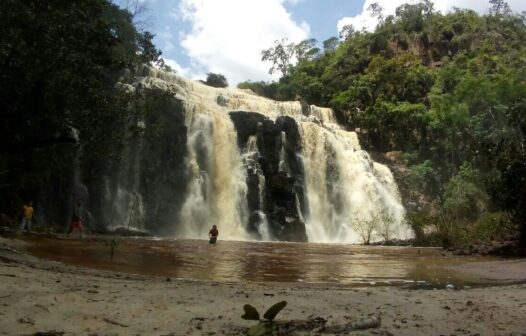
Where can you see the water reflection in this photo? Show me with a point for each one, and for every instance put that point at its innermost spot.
(258, 261)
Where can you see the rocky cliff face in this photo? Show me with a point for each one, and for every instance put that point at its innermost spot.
(257, 168)
(146, 191)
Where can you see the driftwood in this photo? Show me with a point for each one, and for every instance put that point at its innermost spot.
(267, 328)
(373, 322)
(107, 320)
(317, 324)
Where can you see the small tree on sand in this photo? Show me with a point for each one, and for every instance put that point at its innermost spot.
(366, 228)
(385, 227)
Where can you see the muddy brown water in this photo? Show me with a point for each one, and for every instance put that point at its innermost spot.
(237, 261)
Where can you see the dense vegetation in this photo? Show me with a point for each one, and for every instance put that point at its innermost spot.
(216, 80)
(60, 106)
(445, 94)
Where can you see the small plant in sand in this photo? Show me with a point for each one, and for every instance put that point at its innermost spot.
(113, 245)
(266, 326)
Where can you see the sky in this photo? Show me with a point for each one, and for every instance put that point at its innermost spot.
(227, 36)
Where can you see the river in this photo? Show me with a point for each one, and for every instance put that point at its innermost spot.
(248, 261)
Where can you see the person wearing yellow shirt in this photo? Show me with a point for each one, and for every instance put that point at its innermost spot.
(27, 216)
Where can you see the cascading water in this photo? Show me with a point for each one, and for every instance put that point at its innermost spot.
(309, 174)
(346, 190)
(217, 191)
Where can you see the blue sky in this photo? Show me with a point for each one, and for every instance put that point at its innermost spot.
(227, 36)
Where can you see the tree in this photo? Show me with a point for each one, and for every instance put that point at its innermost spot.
(280, 55)
(376, 11)
(330, 44)
(366, 227)
(385, 227)
(499, 7)
(216, 80)
(429, 8)
(306, 49)
(463, 198)
(411, 17)
(284, 54)
(346, 32)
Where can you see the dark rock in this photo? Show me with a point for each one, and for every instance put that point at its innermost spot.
(246, 124)
(276, 160)
(122, 231)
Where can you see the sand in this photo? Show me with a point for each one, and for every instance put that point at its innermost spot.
(38, 295)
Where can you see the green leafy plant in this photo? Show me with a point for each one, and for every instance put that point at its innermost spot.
(266, 326)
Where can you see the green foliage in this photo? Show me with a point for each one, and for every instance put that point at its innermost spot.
(260, 88)
(251, 313)
(60, 62)
(450, 89)
(330, 44)
(463, 197)
(493, 226)
(424, 178)
(280, 55)
(271, 313)
(216, 80)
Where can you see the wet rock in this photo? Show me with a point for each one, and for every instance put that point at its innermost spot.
(126, 232)
(246, 124)
(276, 160)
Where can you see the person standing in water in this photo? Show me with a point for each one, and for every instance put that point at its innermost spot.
(27, 216)
(213, 234)
(76, 221)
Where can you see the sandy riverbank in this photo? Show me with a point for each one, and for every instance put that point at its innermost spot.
(41, 296)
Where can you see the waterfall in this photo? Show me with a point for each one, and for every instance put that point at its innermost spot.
(263, 227)
(282, 161)
(217, 191)
(305, 171)
(345, 189)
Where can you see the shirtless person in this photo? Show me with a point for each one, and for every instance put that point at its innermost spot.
(27, 216)
(213, 234)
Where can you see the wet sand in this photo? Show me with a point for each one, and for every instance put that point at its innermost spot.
(38, 295)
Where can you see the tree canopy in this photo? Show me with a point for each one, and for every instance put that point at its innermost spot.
(60, 62)
(448, 90)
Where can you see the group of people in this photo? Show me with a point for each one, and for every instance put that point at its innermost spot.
(28, 213)
(77, 221)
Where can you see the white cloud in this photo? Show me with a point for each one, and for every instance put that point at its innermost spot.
(364, 19)
(182, 71)
(227, 36)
